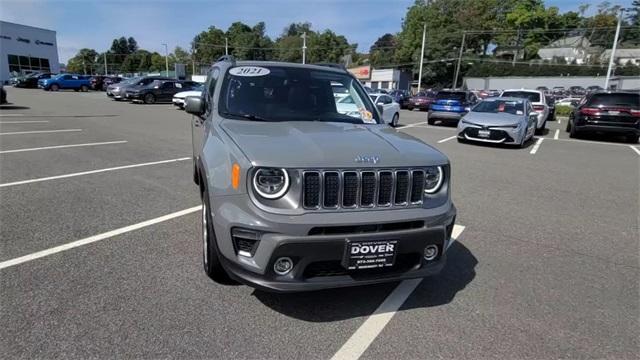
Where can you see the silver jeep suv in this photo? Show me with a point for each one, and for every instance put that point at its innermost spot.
(300, 193)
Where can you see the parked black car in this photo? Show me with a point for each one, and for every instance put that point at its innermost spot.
(402, 97)
(31, 80)
(607, 112)
(159, 91)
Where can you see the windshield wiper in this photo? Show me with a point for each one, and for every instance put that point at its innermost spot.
(251, 117)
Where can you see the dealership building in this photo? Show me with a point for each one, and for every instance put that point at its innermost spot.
(26, 49)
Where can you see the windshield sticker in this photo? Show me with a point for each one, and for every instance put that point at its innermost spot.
(518, 112)
(249, 71)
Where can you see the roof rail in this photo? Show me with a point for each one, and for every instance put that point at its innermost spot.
(332, 65)
(228, 58)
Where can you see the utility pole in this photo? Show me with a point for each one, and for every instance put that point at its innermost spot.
(613, 50)
(105, 63)
(84, 67)
(455, 78)
(193, 60)
(515, 55)
(424, 36)
(226, 46)
(166, 58)
(304, 47)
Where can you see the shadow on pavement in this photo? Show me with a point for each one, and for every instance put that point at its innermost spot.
(347, 303)
(13, 107)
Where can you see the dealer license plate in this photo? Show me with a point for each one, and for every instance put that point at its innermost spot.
(369, 254)
(484, 133)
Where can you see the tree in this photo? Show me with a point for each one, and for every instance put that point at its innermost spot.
(381, 52)
(132, 45)
(84, 62)
(208, 46)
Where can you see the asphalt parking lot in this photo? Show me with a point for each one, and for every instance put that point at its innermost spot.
(546, 264)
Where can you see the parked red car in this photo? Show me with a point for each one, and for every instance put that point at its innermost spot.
(422, 100)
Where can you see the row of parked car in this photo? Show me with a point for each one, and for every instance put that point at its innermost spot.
(514, 116)
(54, 82)
(153, 89)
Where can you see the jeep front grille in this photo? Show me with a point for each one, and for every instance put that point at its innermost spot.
(350, 189)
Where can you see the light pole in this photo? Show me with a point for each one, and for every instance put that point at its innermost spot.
(304, 47)
(166, 58)
(226, 46)
(613, 50)
(424, 35)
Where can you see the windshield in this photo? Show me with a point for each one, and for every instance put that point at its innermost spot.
(278, 93)
(131, 81)
(515, 107)
(451, 95)
(532, 96)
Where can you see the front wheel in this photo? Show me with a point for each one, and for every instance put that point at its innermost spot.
(84, 88)
(210, 258)
(54, 87)
(395, 120)
(149, 99)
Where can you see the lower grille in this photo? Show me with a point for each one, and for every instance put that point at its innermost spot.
(403, 263)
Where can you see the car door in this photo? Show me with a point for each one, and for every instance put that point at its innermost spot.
(198, 128)
(388, 107)
(65, 81)
(165, 92)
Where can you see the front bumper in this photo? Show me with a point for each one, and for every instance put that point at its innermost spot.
(446, 115)
(317, 258)
(179, 102)
(497, 135)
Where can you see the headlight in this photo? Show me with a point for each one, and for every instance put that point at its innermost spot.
(271, 183)
(433, 178)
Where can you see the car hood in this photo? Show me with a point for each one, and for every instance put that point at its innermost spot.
(313, 144)
(492, 119)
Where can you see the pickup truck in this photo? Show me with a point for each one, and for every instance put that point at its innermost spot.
(66, 81)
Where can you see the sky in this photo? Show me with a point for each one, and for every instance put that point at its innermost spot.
(94, 24)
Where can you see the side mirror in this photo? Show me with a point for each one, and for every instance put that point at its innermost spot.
(380, 107)
(194, 105)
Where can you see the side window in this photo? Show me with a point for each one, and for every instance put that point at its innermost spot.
(387, 99)
(66, 77)
(167, 85)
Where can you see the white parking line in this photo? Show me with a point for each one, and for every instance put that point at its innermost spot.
(39, 132)
(63, 146)
(8, 115)
(412, 125)
(635, 149)
(555, 136)
(558, 120)
(95, 238)
(536, 146)
(24, 122)
(371, 328)
(447, 139)
(90, 172)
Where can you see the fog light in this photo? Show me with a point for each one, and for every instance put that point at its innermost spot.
(283, 266)
(430, 252)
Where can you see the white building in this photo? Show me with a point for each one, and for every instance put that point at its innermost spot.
(26, 49)
(573, 48)
(622, 57)
(388, 79)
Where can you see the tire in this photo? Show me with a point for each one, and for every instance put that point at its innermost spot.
(573, 132)
(541, 130)
(149, 99)
(76, 90)
(54, 87)
(395, 119)
(568, 128)
(633, 139)
(196, 176)
(431, 121)
(84, 88)
(210, 260)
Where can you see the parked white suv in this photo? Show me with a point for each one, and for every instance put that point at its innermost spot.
(538, 102)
